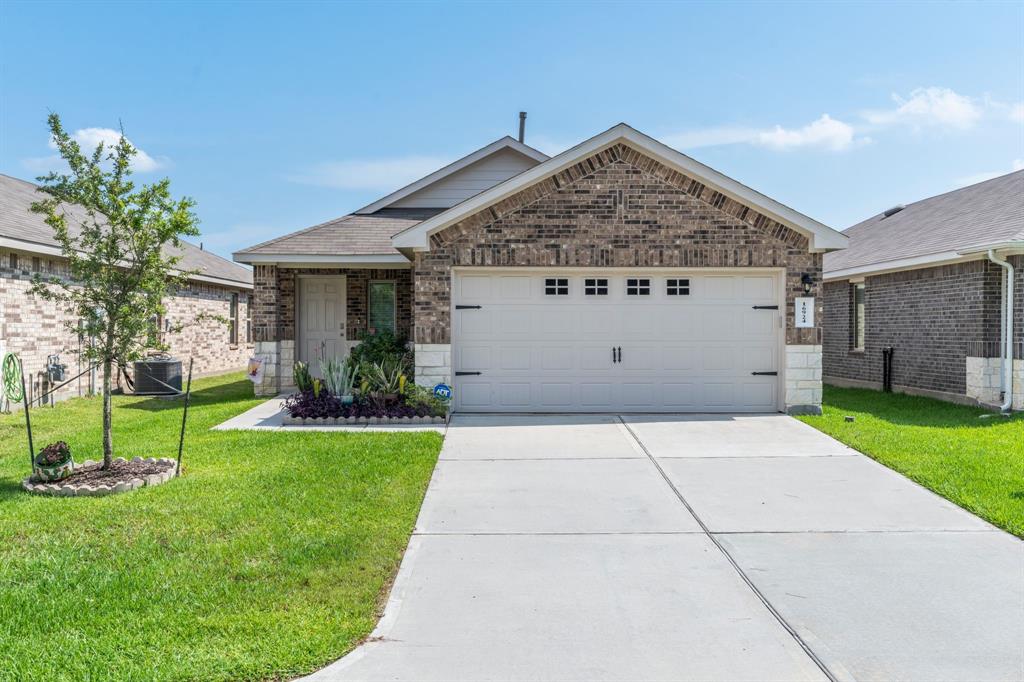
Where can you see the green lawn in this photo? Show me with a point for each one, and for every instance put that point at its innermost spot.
(269, 558)
(977, 463)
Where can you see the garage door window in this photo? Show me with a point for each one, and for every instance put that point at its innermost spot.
(595, 287)
(638, 286)
(556, 286)
(678, 287)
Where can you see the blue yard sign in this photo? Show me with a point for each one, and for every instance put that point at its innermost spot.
(443, 391)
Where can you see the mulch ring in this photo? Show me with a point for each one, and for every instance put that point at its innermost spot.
(123, 475)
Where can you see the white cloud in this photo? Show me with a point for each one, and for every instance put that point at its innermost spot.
(89, 139)
(824, 133)
(369, 174)
(1016, 165)
(932, 106)
(1017, 112)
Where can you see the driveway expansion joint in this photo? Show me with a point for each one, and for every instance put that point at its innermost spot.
(761, 597)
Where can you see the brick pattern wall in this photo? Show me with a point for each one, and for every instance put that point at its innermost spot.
(617, 208)
(933, 317)
(34, 328)
(276, 298)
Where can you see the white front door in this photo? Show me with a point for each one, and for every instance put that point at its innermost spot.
(640, 340)
(321, 320)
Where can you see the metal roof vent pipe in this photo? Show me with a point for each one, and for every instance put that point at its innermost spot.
(522, 126)
(892, 211)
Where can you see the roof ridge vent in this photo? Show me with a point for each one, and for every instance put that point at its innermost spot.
(892, 211)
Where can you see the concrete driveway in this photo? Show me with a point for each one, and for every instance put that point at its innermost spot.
(689, 548)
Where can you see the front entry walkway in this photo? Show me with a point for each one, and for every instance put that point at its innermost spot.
(689, 548)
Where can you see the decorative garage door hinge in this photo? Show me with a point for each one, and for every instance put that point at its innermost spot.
(468, 307)
(765, 307)
(765, 374)
(468, 374)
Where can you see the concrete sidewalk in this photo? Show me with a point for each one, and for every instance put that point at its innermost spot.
(689, 548)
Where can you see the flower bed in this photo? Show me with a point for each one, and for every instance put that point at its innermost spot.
(89, 479)
(306, 407)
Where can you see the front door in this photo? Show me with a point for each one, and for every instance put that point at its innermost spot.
(321, 323)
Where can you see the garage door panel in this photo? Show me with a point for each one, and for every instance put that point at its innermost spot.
(556, 395)
(692, 350)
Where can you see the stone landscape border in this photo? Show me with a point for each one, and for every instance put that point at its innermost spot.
(288, 420)
(66, 489)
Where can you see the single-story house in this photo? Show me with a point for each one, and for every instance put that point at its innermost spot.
(936, 281)
(619, 275)
(36, 329)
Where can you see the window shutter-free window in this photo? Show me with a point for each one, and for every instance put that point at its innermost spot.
(233, 333)
(381, 314)
(858, 316)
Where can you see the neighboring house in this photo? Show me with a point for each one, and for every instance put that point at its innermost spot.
(919, 279)
(620, 275)
(35, 329)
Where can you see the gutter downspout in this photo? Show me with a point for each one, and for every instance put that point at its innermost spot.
(1007, 330)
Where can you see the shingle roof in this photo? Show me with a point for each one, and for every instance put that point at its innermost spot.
(351, 235)
(990, 212)
(17, 222)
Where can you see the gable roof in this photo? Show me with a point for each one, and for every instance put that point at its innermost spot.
(454, 167)
(349, 239)
(938, 229)
(23, 230)
(820, 236)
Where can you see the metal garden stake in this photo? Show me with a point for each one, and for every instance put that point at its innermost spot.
(184, 416)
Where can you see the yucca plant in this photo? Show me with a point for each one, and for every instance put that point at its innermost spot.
(384, 378)
(303, 379)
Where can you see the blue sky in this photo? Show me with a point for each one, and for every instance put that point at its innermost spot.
(276, 116)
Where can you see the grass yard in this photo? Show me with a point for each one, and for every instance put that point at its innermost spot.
(977, 463)
(267, 559)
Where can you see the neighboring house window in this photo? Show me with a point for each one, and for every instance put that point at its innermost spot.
(35, 263)
(382, 307)
(595, 287)
(233, 329)
(248, 318)
(13, 261)
(678, 287)
(638, 287)
(556, 286)
(858, 317)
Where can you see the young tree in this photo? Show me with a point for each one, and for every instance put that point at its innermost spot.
(114, 237)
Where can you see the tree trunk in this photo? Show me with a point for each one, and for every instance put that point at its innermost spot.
(108, 443)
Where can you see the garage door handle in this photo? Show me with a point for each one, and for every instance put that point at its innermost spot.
(468, 307)
(766, 307)
(468, 374)
(620, 353)
(765, 374)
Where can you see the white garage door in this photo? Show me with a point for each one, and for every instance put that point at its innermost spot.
(637, 341)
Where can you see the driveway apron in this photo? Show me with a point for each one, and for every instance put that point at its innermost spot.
(703, 547)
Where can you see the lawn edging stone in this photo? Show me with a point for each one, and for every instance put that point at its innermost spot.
(288, 420)
(70, 489)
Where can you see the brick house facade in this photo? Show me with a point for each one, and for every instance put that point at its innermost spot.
(619, 202)
(943, 321)
(35, 329)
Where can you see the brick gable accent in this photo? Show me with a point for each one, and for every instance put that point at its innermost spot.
(617, 208)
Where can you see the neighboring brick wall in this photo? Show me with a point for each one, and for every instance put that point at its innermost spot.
(617, 208)
(282, 317)
(34, 328)
(933, 317)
